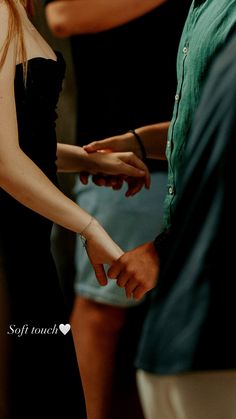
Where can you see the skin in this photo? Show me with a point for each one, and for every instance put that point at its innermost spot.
(70, 17)
(112, 169)
(154, 138)
(136, 270)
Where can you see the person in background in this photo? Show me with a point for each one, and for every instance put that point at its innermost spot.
(113, 98)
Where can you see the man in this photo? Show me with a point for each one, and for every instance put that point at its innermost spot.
(187, 351)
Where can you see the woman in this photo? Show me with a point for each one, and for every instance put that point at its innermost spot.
(43, 377)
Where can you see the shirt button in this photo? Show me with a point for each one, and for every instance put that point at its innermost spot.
(185, 50)
(170, 190)
(176, 98)
(168, 143)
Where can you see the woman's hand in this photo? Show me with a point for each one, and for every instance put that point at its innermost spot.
(119, 163)
(109, 169)
(101, 249)
(112, 169)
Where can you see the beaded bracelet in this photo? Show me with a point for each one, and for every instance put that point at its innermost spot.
(142, 148)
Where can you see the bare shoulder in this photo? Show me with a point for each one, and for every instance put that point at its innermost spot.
(7, 49)
(4, 11)
(4, 18)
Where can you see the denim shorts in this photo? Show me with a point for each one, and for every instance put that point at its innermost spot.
(129, 221)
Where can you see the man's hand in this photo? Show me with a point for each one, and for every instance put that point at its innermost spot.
(137, 270)
(119, 143)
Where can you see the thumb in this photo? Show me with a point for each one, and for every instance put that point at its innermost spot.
(107, 145)
(100, 273)
(114, 270)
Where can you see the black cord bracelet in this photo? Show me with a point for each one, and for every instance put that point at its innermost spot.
(142, 148)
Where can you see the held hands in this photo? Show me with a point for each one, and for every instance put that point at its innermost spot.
(137, 270)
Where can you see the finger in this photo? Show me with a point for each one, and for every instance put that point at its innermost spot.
(107, 144)
(122, 280)
(104, 180)
(134, 186)
(128, 169)
(139, 292)
(135, 161)
(100, 274)
(117, 186)
(100, 180)
(84, 178)
(130, 287)
(114, 270)
(112, 180)
(117, 182)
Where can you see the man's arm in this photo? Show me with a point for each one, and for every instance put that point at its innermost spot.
(70, 17)
(153, 138)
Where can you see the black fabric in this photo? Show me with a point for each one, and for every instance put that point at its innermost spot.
(191, 320)
(44, 381)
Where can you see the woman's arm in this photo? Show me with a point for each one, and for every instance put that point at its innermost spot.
(153, 137)
(70, 17)
(72, 158)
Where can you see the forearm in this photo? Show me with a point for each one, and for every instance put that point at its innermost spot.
(72, 159)
(23, 180)
(154, 139)
(72, 17)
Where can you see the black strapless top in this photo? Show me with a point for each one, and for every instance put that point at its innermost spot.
(36, 110)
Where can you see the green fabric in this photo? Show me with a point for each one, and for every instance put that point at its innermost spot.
(207, 27)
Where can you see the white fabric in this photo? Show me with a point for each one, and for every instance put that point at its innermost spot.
(198, 395)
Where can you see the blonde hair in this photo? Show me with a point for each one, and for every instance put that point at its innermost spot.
(15, 29)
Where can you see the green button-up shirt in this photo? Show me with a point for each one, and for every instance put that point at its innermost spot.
(208, 24)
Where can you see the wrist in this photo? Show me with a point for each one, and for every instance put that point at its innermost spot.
(137, 145)
(88, 230)
(92, 163)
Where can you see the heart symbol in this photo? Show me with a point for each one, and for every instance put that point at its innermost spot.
(64, 328)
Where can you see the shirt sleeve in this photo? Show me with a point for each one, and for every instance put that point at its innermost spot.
(161, 243)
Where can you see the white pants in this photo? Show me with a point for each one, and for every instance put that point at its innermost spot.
(200, 395)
